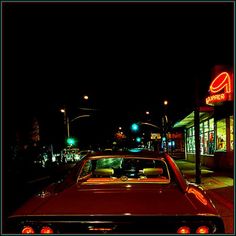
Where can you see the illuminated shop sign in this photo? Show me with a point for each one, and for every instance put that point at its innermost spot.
(221, 89)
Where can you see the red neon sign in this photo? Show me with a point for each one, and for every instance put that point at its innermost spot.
(221, 83)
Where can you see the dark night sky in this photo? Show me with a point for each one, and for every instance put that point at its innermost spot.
(127, 58)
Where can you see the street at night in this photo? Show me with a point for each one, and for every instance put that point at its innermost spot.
(89, 86)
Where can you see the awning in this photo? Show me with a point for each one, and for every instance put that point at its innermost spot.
(189, 120)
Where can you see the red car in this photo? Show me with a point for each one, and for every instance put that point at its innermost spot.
(123, 193)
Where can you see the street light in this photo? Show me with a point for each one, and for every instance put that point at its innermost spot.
(77, 117)
(86, 97)
(66, 118)
(67, 121)
(149, 124)
(164, 126)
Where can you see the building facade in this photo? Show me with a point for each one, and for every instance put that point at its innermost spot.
(216, 124)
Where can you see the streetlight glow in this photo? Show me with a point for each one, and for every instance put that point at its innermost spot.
(86, 97)
(165, 102)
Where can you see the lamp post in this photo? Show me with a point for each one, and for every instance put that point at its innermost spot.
(164, 127)
(67, 121)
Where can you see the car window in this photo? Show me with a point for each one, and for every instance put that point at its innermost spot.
(109, 163)
(87, 168)
(130, 169)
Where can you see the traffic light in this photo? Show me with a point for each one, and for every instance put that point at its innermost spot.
(70, 141)
(138, 139)
(135, 127)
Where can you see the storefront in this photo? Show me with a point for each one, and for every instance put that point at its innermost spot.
(216, 126)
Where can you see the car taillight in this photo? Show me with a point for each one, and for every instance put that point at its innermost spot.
(183, 230)
(27, 230)
(46, 230)
(202, 230)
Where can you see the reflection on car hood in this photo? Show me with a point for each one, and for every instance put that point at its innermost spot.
(120, 199)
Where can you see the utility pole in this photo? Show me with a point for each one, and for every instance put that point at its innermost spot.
(197, 134)
(68, 126)
(66, 121)
(164, 127)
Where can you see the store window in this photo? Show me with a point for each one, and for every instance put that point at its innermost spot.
(221, 135)
(211, 143)
(206, 138)
(231, 120)
(190, 140)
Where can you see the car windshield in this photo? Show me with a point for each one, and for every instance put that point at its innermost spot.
(110, 169)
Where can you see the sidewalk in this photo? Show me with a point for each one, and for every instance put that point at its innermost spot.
(209, 179)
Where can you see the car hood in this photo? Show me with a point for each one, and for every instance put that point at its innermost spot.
(121, 199)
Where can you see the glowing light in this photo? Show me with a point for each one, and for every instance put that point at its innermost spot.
(46, 230)
(135, 127)
(184, 230)
(221, 82)
(202, 230)
(99, 229)
(27, 230)
(198, 195)
(134, 150)
(70, 141)
(138, 139)
(216, 98)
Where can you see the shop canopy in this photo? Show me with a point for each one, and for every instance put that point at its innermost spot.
(204, 113)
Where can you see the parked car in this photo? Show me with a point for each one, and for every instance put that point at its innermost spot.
(124, 193)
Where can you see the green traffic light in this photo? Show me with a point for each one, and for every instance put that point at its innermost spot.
(135, 127)
(138, 139)
(70, 141)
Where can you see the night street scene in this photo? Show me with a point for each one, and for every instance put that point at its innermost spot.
(117, 117)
